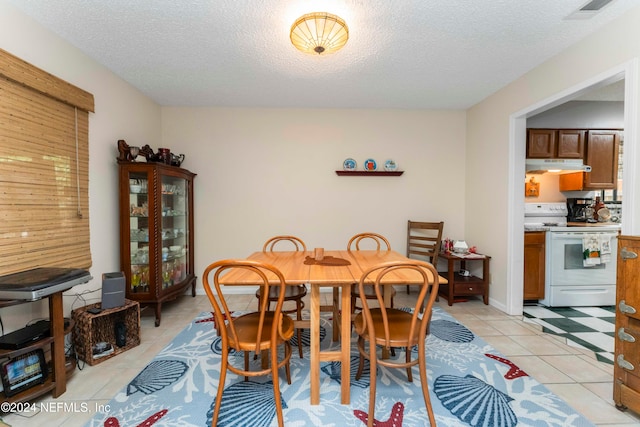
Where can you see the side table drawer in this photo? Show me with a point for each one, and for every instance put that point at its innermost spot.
(468, 288)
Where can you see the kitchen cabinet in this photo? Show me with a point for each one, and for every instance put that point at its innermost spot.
(626, 370)
(156, 232)
(534, 264)
(555, 143)
(602, 155)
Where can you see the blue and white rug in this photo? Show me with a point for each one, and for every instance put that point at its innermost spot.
(471, 384)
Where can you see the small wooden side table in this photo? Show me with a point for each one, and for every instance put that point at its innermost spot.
(462, 286)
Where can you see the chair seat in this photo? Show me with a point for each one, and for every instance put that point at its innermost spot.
(291, 293)
(399, 324)
(247, 329)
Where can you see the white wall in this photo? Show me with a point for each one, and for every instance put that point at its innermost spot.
(263, 172)
(121, 112)
(489, 142)
(581, 115)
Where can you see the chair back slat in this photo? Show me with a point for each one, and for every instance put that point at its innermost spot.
(223, 314)
(424, 240)
(379, 240)
(269, 245)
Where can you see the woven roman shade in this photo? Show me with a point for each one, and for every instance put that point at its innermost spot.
(44, 169)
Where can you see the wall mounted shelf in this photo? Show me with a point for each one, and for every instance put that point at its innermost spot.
(369, 173)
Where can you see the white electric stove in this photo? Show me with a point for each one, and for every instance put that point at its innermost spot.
(569, 280)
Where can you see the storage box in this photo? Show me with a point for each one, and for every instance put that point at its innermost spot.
(91, 329)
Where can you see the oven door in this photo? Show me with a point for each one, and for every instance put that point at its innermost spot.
(565, 262)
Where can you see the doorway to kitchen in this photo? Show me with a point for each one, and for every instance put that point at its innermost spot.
(518, 123)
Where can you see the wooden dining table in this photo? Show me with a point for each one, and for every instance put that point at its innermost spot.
(339, 269)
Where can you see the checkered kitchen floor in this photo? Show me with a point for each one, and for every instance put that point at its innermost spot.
(592, 328)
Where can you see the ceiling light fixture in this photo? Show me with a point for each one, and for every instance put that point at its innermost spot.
(319, 32)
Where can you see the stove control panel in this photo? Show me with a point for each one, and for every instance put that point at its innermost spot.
(545, 209)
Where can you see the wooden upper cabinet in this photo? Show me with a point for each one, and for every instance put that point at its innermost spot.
(541, 143)
(555, 144)
(602, 155)
(571, 144)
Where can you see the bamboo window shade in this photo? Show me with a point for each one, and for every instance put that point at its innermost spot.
(44, 169)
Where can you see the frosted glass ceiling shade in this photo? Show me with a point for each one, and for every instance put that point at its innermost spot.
(319, 33)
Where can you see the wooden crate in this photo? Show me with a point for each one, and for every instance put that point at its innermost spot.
(93, 328)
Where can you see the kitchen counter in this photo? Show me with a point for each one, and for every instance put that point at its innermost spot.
(535, 228)
(575, 226)
(595, 224)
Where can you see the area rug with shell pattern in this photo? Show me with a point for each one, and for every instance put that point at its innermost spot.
(471, 384)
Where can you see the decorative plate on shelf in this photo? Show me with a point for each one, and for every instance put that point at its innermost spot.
(390, 165)
(349, 164)
(370, 165)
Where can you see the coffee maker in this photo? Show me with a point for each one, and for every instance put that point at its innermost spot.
(577, 209)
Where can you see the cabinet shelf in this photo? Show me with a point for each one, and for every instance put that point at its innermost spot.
(48, 385)
(369, 173)
(59, 367)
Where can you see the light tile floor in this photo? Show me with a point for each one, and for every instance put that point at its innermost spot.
(572, 373)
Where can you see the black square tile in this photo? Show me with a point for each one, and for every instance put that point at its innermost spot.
(568, 312)
(569, 325)
(584, 343)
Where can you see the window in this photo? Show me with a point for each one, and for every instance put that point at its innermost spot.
(44, 169)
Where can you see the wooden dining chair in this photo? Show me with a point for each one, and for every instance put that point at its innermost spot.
(258, 331)
(292, 293)
(381, 243)
(423, 242)
(386, 328)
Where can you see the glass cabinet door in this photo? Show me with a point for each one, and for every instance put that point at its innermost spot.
(156, 232)
(174, 230)
(139, 231)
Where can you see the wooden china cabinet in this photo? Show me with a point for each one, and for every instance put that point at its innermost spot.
(156, 232)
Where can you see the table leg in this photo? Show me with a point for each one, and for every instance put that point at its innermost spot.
(314, 358)
(345, 346)
(336, 312)
(485, 279)
(451, 280)
(56, 318)
(387, 303)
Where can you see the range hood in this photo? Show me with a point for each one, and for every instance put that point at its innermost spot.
(558, 166)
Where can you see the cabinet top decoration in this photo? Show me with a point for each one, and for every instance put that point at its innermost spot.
(129, 153)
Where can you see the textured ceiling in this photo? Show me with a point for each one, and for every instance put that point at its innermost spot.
(446, 54)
